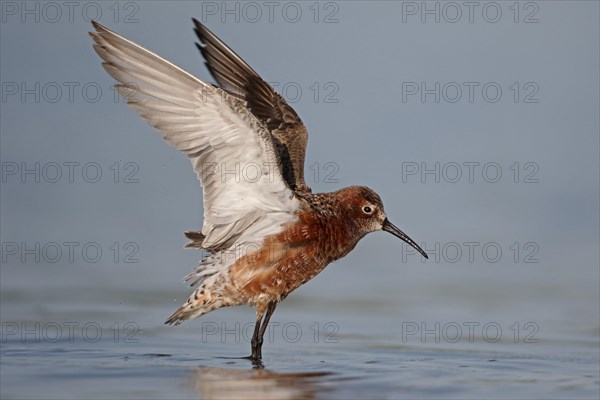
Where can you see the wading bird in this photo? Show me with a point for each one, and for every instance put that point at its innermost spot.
(289, 233)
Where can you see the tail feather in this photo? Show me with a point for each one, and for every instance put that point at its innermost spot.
(214, 284)
(197, 238)
(200, 302)
(183, 313)
(196, 305)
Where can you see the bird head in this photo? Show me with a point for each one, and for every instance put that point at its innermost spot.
(366, 208)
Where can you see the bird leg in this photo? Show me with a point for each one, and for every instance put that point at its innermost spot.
(254, 342)
(270, 309)
(259, 332)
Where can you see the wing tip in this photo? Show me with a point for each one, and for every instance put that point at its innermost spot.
(99, 27)
(199, 26)
(202, 32)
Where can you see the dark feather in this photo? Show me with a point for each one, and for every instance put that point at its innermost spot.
(238, 79)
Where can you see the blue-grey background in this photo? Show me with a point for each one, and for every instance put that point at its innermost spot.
(346, 68)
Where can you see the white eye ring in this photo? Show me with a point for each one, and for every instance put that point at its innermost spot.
(367, 209)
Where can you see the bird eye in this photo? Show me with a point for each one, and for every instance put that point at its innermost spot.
(367, 210)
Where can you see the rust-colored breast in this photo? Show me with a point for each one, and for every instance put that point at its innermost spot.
(283, 263)
(290, 258)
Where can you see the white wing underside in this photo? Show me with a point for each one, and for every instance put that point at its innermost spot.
(245, 196)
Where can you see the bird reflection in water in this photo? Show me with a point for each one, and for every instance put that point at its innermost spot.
(256, 383)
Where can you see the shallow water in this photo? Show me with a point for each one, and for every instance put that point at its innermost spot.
(112, 344)
(295, 372)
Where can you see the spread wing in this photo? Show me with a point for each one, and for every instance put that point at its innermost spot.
(232, 151)
(239, 80)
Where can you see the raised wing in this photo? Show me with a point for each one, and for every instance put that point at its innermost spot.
(239, 80)
(232, 152)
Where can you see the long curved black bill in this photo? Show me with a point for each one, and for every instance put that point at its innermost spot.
(394, 230)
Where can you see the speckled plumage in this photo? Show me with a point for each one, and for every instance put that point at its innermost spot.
(267, 236)
(328, 228)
